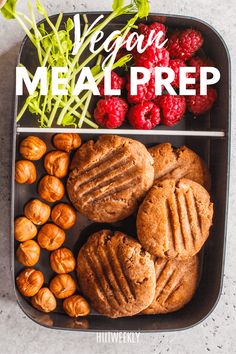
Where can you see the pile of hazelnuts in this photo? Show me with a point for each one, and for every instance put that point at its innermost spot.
(50, 236)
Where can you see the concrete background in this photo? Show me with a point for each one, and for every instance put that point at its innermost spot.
(17, 333)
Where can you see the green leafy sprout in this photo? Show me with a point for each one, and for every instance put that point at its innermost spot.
(54, 47)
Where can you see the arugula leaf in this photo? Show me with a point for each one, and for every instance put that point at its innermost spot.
(66, 43)
(9, 9)
(41, 29)
(143, 8)
(69, 25)
(69, 120)
(40, 8)
(116, 4)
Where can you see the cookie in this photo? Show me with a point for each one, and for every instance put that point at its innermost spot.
(176, 283)
(110, 178)
(116, 274)
(174, 219)
(179, 163)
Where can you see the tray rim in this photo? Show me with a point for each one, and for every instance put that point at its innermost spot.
(82, 131)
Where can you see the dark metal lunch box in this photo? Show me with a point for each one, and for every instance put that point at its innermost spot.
(208, 135)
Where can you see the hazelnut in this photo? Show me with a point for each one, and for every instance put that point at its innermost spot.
(28, 253)
(62, 261)
(76, 306)
(67, 141)
(64, 216)
(51, 237)
(32, 148)
(37, 211)
(24, 229)
(51, 189)
(44, 300)
(25, 172)
(56, 163)
(29, 281)
(62, 286)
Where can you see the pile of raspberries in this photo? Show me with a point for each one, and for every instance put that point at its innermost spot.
(146, 110)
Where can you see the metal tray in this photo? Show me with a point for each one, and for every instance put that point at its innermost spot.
(209, 136)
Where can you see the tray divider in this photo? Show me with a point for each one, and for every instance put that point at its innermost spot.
(200, 133)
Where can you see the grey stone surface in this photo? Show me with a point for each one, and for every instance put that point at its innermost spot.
(17, 333)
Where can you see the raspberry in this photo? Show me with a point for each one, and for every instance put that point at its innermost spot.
(155, 26)
(110, 112)
(183, 44)
(145, 30)
(117, 82)
(172, 107)
(152, 57)
(199, 104)
(145, 115)
(198, 62)
(176, 64)
(145, 92)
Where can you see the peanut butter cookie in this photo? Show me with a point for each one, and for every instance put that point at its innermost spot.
(176, 283)
(179, 163)
(174, 219)
(110, 177)
(116, 274)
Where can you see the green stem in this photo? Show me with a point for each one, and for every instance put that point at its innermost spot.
(59, 19)
(92, 56)
(47, 54)
(49, 97)
(82, 108)
(26, 30)
(43, 111)
(55, 31)
(88, 40)
(54, 111)
(36, 32)
(49, 101)
(64, 110)
(39, 111)
(73, 98)
(85, 19)
(26, 18)
(45, 60)
(29, 73)
(85, 109)
(22, 111)
(76, 58)
(78, 115)
(98, 78)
